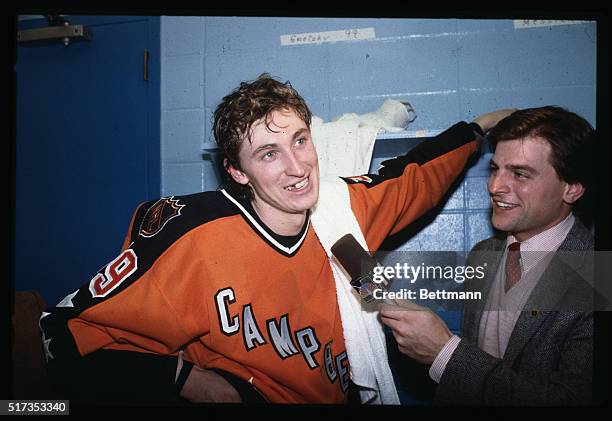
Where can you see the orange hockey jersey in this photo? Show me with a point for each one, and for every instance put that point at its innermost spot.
(203, 275)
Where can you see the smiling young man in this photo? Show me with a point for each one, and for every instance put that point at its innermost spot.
(530, 340)
(280, 166)
(228, 296)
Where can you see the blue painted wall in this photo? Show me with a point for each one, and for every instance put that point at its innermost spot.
(448, 69)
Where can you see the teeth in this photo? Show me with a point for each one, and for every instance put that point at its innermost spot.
(298, 186)
(301, 183)
(504, 205)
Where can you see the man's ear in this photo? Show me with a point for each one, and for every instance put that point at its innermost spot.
(237, 175)
(573, 192)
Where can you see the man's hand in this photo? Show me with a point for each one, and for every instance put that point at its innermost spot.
(489, 120)
(207, 386)
(420, 333)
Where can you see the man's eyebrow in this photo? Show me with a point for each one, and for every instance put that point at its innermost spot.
(300, 132)
(523, 168)
(515, 167)
(263, 147)
(297, 134)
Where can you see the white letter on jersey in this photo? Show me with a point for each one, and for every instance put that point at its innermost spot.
(343, 370)
(281, 337)
(309, 345)
(223, 298)
(250, 332)
(329, 363)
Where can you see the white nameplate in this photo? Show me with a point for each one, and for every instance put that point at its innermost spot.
(356, 34)
(538, 23)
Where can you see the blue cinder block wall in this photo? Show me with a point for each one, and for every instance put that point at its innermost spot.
(448, 69)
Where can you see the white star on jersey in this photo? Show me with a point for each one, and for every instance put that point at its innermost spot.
(46, 341)
(67, 301)
(42, 316)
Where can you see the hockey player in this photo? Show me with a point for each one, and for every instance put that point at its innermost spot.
(228, 296)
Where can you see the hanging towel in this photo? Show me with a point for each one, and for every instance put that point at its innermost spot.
(345, 144)
(332, 218)
(392, 116)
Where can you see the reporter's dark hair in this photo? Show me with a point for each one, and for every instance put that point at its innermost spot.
(238, 111)
(571, 138)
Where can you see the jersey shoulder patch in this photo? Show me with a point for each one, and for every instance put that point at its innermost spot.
(157, 216)
(366, 180)
(360, 179)
(173, 216)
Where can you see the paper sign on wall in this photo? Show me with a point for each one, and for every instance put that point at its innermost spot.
(355, 34)
(538, 23)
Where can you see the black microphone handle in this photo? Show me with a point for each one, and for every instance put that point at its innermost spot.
(357, 262)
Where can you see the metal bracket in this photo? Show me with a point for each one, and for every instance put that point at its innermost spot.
(64, 32)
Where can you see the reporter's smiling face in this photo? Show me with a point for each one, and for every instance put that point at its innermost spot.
(527, 195)
(280, 163)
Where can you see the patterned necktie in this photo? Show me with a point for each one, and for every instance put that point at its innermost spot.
(513, 265)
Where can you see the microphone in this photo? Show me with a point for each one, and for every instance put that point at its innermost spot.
(359, 265)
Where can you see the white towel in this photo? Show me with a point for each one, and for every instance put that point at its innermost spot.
(345, 144)
(332, 218)
(392, 116)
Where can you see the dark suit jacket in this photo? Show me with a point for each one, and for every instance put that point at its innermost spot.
(549, 358)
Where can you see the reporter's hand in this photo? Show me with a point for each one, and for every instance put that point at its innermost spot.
(207, 386)
(420, 333)
(489, 120)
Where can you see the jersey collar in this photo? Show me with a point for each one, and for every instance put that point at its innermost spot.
(269, 236)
